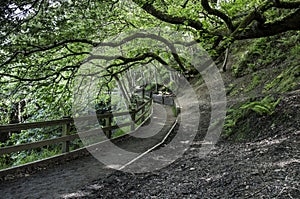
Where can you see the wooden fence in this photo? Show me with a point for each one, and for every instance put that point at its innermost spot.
(138, 114)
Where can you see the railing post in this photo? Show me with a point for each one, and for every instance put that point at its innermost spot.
(133, 120)
(143, 93)
(108, 122)
(150, 105)
(65, 132)
(143, 111)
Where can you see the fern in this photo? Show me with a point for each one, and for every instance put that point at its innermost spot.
(265, 106)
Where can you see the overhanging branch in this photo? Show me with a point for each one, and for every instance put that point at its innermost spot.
(290, 22)
(46, 48)
(217, 13)
(138, 58)
(287, 5)
(149, 8)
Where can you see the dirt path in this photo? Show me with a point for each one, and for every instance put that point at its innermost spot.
(63, 180)
(266, 167)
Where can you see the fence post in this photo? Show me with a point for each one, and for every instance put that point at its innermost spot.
(108, 122)
(143, 93)
(66, 131)
(143, 111)
(133, 120)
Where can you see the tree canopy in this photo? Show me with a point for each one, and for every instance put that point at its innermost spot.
(44, 42)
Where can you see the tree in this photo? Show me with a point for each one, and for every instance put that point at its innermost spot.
(44, 42)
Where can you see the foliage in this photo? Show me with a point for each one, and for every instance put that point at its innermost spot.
(266, 106)
(233, 116)
(43, 43)
(287, 80)
(24, 157)
(175, 110)
(256, 80)
(33, 135)
(120, 132)
(30, 156)
(278, 62)
(4, 162)
(58, 35)
(257, 56)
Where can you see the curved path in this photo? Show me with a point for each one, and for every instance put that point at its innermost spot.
(62, 180)
(267, 167)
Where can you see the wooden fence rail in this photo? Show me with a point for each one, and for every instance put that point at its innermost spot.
(66, 137)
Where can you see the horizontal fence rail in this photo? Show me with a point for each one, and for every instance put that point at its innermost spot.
(26, 126)
(66, 137)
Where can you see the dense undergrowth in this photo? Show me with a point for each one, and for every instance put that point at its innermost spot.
(263, 70)
(34, 135)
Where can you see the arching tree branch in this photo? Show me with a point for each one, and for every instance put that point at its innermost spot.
(217, 13)
(290, 22)
(287, 4)
(149, 8)
(26, 52)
